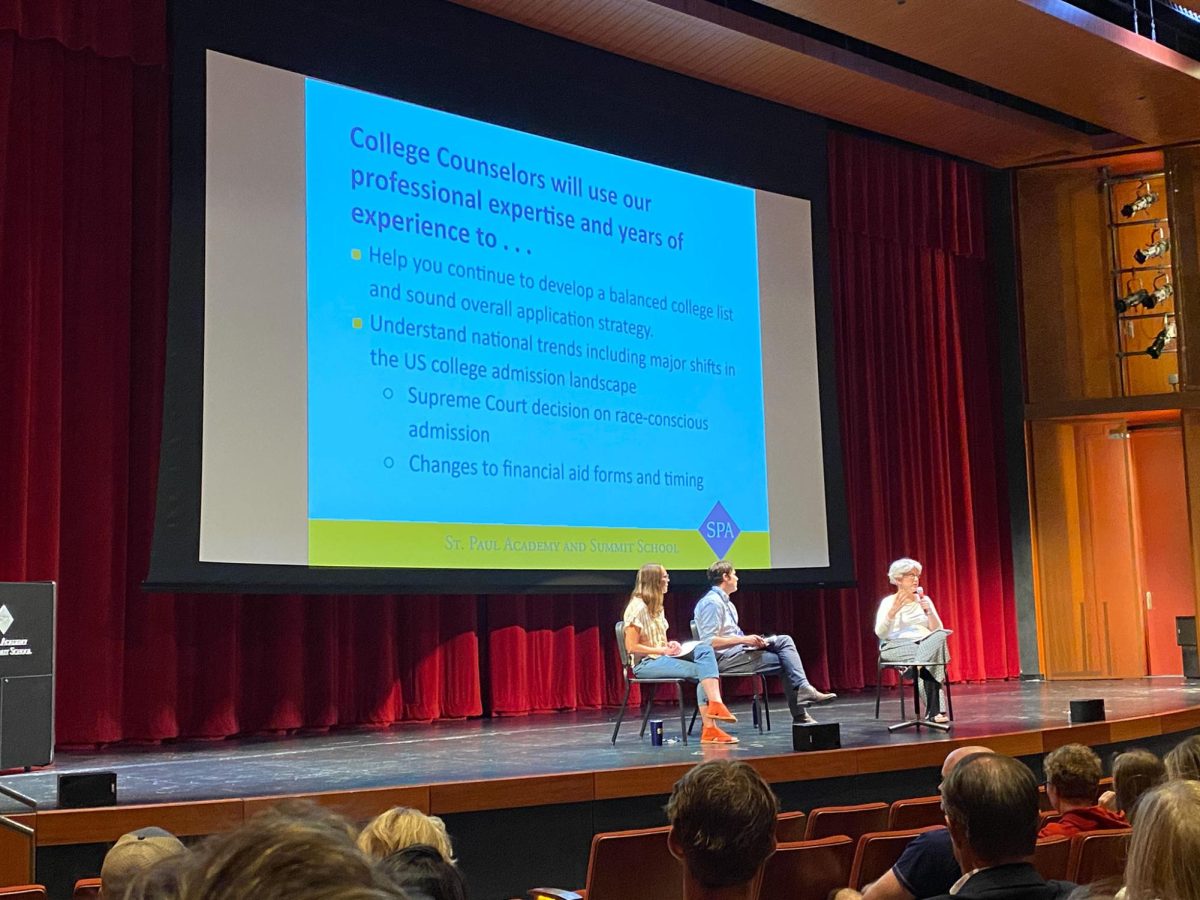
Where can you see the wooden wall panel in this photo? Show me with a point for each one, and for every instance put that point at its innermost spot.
(357, 806)
(1191, 472)
(89, 826)
(1164, 550)
(1182, 165)
(1088, 591)
(14, 852)
(1070, 342)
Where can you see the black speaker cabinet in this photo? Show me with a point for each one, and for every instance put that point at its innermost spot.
(1086, 711)
(83, 790)
(816, 737)
(26, 674)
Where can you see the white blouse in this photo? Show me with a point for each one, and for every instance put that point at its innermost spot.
(910, 623)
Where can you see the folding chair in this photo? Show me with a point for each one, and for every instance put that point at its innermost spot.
(760, 689)
(631, 680)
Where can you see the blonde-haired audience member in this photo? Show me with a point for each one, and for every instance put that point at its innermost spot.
(1164, 852)
(1184, 760)
(403, 826)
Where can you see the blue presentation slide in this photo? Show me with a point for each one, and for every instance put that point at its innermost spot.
(512, 331)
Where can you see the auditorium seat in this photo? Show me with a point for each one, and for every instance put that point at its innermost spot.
(1098, 854)
(23, 892)
(86, 888)
(624, 864)
(789, 827)
(806, 870)
(1044, 800)
(1052, 857)
(878, 851)
(1045, 817)
(917, 812)
(852, 821)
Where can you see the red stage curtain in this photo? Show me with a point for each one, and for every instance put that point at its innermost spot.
(83, 257)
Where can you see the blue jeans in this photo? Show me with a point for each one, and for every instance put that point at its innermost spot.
(700, 663)
(781, 653)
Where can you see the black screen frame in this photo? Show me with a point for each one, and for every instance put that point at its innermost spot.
(441, 55)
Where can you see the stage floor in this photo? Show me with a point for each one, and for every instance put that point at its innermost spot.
(557, 743)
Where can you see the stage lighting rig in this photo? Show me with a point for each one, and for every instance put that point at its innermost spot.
(1145, 299)
(1157, 247)
(1145, 199)
(1164, 337)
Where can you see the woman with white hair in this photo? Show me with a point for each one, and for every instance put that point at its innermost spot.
(910, 631)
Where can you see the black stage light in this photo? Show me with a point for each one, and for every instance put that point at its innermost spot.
(1129, 301)
(1154, 351)
(1144, 298)
(1164, 337)
(1153, 249)
(1146, 198)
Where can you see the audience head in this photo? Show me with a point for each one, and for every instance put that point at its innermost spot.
(722, 817)
(1164, 852)
(162, 881)
(954, 757)
(289, 852)
(1184, 760)
(719, 571)
(423, 872)
(902, 567)
(1134, 773)
(403, 826)
(1073, 775)
(134, 853)
(991, 805)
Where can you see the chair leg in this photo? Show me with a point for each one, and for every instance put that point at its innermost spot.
(900, 691)
(878, 684)
(649, 707)
(682, 714)
(621, 711)
(692, 723)
(766, 702)
(949, 699)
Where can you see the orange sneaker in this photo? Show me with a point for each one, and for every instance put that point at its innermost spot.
(714, 735)
(719, 711)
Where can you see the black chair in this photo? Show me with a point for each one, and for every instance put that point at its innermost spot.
(631, 680)
(760, 689)
(900, 668)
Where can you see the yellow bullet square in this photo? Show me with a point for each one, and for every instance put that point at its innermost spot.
(357, 323)
(356, 253)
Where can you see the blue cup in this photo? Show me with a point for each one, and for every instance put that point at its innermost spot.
(656, 732)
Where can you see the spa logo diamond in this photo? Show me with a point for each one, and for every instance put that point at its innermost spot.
(719, 530)
(6, 620)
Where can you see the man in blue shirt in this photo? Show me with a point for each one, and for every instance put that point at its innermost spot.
(741, 653)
